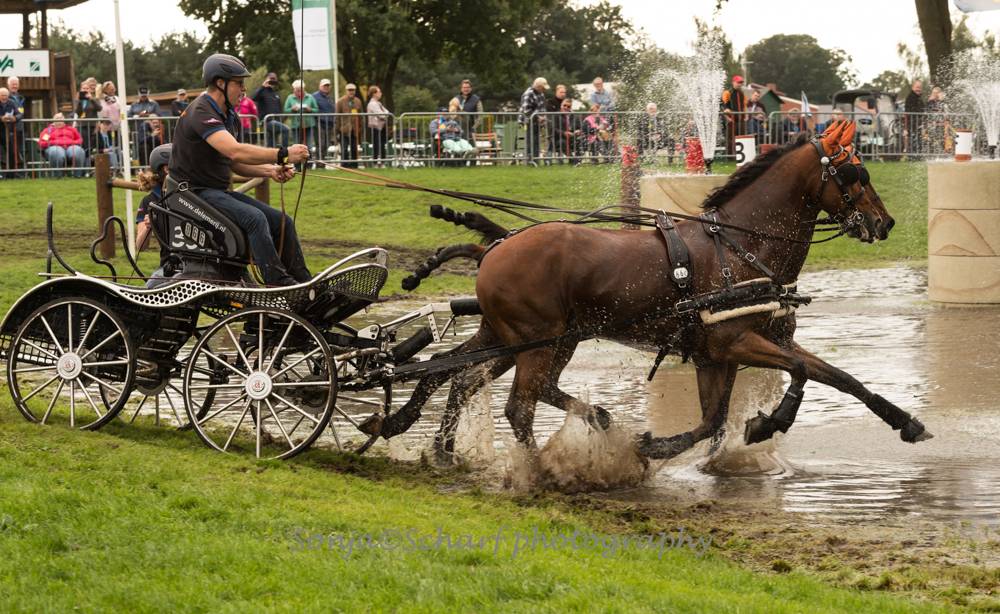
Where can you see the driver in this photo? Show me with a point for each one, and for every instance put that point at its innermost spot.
(205, 154)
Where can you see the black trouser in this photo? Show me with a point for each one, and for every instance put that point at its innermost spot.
(379, 139)
(349, 149)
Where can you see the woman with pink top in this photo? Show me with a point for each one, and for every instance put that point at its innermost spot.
(60, 141)
(247, 110)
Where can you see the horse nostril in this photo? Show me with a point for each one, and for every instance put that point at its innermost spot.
(889, 225)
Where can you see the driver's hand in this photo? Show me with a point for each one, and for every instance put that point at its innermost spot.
(281, 174)
(297, 153)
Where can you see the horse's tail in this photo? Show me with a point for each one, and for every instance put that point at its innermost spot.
(478, 222)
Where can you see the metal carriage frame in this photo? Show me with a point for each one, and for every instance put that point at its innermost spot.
(265, 374)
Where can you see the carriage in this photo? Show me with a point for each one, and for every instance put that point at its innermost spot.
(257, 370)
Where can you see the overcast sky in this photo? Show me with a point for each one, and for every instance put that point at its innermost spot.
(867, 29)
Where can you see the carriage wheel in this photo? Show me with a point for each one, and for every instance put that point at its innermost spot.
(74, 350)
(280, 389)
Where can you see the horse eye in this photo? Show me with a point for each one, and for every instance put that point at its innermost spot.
(865, 178)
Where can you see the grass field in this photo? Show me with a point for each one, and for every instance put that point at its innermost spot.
(139, 518)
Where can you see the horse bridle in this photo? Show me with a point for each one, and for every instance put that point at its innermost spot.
(849, 216)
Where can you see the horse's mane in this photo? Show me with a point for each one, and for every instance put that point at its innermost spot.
(749, 173)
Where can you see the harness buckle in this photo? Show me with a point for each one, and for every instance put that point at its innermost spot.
(750, 257)
(714, 228)
(727, 272)
(684, 306)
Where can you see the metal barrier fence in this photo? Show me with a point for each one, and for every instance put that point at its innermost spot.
(460, 139)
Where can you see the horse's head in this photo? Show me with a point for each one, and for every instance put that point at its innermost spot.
(845, 190)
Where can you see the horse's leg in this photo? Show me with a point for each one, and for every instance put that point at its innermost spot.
(753, 350)
(530, 378)
(597, 416)
(463, 386)
(715, 386)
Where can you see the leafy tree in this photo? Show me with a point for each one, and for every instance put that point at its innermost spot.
(712, 36)
(891, 81)
(796, 62)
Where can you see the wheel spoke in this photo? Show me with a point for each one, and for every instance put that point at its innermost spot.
(40, 388)
(105, 363)
(239, 350)
(225, 364)
(336, 437)
(291, 405)
(173, 409)
(69, 327)
(361, 401)
(117, 333)
(294, 428)
(86, 333)
(52, 403)
(138, 408)
(243, 416)
(222, 409)
(346, 417)
(72, 402)
(102, 383)
(280, 346)
(259, 421)
(51, 334)
(42, 350)
(303, 358)
(91, 401)
(35, 369)
(260, 346)
(214, 386)
(281, 427)
(299, 384)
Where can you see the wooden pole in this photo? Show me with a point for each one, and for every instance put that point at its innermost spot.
(631, 173)
(105, 202)
(262, 192)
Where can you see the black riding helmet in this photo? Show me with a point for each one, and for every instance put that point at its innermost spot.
(159, 157)
(225, 67)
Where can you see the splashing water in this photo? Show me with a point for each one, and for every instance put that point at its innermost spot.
(697, 89)
(978, 77)
(581, 458)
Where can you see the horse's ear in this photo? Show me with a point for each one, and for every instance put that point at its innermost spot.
(831, 136)
(847, 135)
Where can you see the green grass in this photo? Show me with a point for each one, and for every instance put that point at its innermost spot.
(138, 518)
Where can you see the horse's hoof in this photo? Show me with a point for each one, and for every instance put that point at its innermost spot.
(664, 447)
(372, 425)
(914, 431)
(599, 418)
(759, 428)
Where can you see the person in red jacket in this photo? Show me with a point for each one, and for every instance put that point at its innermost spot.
(62, 142)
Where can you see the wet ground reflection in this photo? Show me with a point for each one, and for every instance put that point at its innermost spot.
(939, 363)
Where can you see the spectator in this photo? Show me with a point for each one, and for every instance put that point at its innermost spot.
(61, 142)
(835, 116)
(653, 134)
(552, 106)
(348, 125)
(268, 103)
(567, 133)
(110, 109)
(90, 84)
(324, 123)
(469, 104)
(152, 181)
(152, 135)
(448, 134)
(302, 106)
(792, 125)
(598, 131)
(105, 142)
(734, 106)
(533, 101)
(10, 117)
(378, 121)
(180, 103)
(247, 111)
(938, 127)
(602, 97)
(144, 107)
(14, 86)
(756, 118)
(912, 124)
(87, 108)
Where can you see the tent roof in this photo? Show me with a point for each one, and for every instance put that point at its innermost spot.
(31, 6)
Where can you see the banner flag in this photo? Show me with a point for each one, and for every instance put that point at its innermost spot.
(970, 6)
(317, 41)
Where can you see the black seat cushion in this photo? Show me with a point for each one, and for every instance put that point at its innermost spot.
(196, 227)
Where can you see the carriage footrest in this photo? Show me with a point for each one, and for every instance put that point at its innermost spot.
(466, 307)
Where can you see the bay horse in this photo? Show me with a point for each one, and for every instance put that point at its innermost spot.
(567, 281)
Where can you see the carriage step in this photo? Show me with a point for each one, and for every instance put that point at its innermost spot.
(465, 307)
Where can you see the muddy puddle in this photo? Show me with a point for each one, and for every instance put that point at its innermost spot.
(838, 460)
(939, 363)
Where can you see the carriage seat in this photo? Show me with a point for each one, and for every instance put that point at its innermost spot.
(196, 228)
